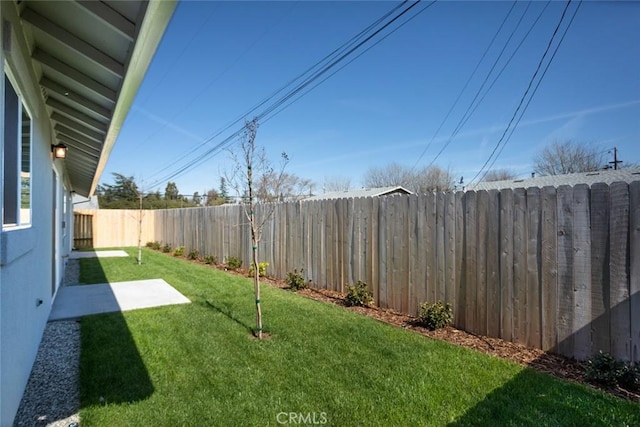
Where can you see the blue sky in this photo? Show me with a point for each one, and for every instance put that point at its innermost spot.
(219, 59)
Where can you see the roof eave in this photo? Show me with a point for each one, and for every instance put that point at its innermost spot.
(156, 19)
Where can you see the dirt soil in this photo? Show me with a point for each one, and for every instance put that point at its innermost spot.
(553, 364)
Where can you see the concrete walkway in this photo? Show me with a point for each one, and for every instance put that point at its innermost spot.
(96, 254)
(76, 301)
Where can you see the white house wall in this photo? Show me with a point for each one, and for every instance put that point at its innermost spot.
(26, 253)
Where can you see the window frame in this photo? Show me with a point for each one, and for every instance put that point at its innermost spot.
(20, 217)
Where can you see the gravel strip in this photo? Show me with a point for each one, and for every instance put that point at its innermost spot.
(52, 395)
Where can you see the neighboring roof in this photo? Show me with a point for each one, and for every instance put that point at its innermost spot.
(80, 202)
(361, 192)
(89, 58)
(606, 176)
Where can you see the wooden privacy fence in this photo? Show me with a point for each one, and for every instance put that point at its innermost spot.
(557, 269)
(82, 230)
(119, 227)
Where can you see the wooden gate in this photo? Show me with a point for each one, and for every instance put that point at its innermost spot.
(82, 231)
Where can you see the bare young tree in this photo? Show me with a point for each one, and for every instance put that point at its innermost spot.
(250, 167)
(562, 157)
(432, 178)
(499, 175)
(337, 183)
(285, 187)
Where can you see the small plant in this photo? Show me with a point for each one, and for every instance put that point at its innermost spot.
(435, 316)
(358, 294)
(603, 369)
(179, 251)
(630, 379)
(233, 263)
(295, 280)
(211, 259)
(166, 248)
(262, 269)
(154, 245)
(193, 254)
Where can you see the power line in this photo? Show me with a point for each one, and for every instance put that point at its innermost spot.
(531, 81)
(473, 73)
(350, 61)
(326, 58)
(469, 112)
(345, 51)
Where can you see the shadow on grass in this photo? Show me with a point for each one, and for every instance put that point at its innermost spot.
(530, 398)
(111, 367)
(229, 314)
(91, 271)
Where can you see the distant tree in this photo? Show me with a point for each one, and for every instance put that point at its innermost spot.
(432, 178)
(224, 192)
(390, 175)
(171, 191)
(282, 187)
(337, 183)
(562, 157)
(213, 198)
(122, 194)
(499, 175)
(197, 199)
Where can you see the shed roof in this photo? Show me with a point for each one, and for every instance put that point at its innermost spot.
(605, 176)
(361, 192)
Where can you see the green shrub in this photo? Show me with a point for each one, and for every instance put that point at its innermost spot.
(154, 245)
(179, 251)
(262, 269)
(193, 254)
(233, 263)
(295, 280)
(603, 369)
(211, 259)
(630, 380)
(166, 248)
(435, 316)
(358, 294)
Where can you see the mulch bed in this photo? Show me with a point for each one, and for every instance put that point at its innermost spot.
(552, 364)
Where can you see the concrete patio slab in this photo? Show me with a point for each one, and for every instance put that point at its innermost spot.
(76, 301)
(96, 254)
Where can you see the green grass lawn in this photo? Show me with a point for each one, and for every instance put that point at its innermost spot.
(197, 364)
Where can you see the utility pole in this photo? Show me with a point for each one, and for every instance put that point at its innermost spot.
(615, 159)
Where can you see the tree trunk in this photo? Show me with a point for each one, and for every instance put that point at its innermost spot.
(256, 284)
(140, 232)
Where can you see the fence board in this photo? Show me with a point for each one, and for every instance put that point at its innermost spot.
(413, 258)
(459, 247)
(565, 271)
(520, 266)
(481, 255)
(493, 264)
(470, 225)
(620, 304)
(549, 268)
(533, 268)
(430, 244)
(449, 253)
(439, 249)
(600, 292)
(383, 253)
(634, 267)
(506, 264)
(581, 272)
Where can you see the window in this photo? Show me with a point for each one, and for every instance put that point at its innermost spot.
(17, 159)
